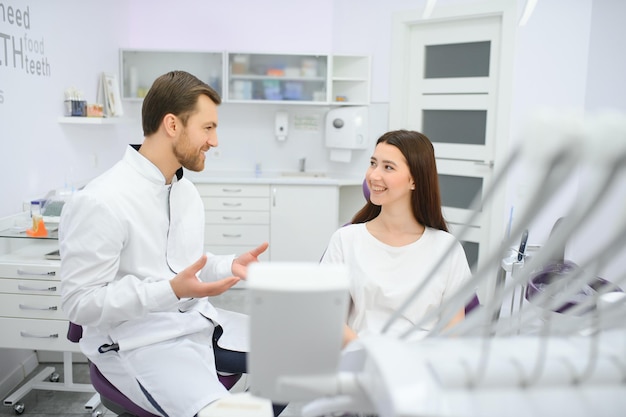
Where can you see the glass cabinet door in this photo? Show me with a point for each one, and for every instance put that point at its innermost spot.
(277, 78)
(139, 69)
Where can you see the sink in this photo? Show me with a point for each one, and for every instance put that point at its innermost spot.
(303, 174)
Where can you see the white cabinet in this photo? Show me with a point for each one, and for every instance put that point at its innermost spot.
(30, 297)
(350, 83)
(297, 220)
(237, 217)
(139, 68)
(31, 317)
(317, 79)
(303, 217)
(277, 78)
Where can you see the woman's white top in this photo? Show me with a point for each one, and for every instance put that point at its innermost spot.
(383, 276)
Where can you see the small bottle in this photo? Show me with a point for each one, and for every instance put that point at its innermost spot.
(35, 209)
(39, 227)
(257, 170)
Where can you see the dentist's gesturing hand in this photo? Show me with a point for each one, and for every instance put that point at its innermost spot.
(187, 285)
(240, 264)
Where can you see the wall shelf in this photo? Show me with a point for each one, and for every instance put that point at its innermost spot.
(88, 120)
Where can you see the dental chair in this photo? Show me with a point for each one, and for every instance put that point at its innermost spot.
(111, 397)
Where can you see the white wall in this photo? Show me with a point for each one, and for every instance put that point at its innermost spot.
(606, 90)
(80, 40)
(551, 55)
(569, 57)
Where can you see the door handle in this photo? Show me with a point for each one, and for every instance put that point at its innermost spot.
(484, 163)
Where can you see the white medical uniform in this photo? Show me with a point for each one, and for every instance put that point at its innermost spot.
(122, 238)
(383, 276)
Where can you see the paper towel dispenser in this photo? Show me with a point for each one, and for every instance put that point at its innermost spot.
(346, 128)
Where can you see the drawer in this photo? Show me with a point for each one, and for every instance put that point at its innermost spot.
(31, 306)
(237, 217)
(36, 334)
(233, 190)
(27, 286)
(236, 235)
(236, 250)
(30, 271)
(236, 203)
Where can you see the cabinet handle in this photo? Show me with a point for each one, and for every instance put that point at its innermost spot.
(231, 190)
(274, 197)
(231, 204)
(50, 336)
(48, 273)
(231, 235)
(231, 218)
(25, 307)
(25, 288)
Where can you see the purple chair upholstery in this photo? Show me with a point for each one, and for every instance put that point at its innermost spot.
(564, 270)
(111, 397)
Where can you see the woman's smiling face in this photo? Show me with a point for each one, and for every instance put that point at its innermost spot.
(388, 176)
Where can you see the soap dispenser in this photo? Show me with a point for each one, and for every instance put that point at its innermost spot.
(281, 125)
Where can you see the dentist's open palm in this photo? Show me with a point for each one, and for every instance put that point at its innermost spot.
(240, 264)
(187, 285)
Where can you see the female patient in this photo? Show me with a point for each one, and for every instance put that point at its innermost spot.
(396, 239)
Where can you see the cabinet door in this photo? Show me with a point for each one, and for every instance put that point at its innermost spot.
(303, 217)
(277, 78)
(139, 68)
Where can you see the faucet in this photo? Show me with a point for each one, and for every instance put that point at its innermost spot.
(302, 164)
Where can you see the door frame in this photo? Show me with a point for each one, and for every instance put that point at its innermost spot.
(402, 24)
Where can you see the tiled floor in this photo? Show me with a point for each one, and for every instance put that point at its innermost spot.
(42, 403)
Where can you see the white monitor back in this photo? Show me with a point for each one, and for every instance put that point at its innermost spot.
(297, 313)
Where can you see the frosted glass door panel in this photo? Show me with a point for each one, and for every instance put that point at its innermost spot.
(460, 192)
(468, 127)
(457, 60)
(459, 183)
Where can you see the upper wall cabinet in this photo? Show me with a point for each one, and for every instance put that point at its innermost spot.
(254, 77)
(350, 79)
(277, 78)
(139, 68)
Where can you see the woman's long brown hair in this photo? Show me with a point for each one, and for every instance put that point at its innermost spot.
(426, 198)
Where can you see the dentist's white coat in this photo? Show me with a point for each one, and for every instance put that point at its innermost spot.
(122, 238)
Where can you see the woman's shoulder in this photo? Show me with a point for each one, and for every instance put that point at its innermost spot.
(440, 235)
(349, 232)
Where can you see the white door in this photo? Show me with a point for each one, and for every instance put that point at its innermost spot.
(449, 76)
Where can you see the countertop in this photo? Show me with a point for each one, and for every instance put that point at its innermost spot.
(278, 178)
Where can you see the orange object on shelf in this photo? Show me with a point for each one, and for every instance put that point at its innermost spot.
(39, 228)
(276, 72)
